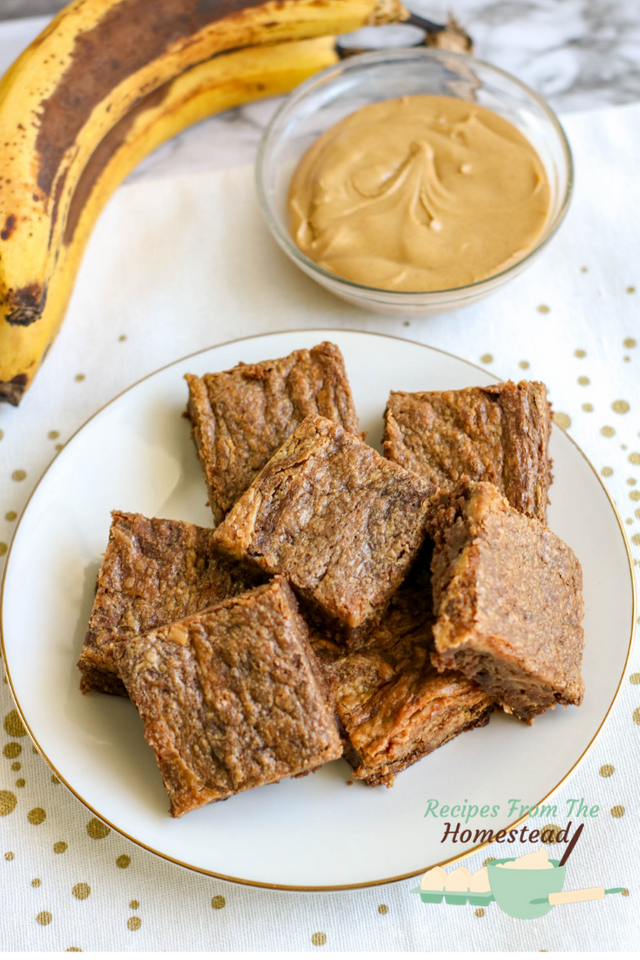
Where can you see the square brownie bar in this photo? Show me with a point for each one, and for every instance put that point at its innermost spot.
(497, 434)
(340, 522)
(153, 572)
(240, 417)
(393, 706)
(231, 698)
(508, 599)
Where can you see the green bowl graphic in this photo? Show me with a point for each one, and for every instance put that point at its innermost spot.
(515, 889)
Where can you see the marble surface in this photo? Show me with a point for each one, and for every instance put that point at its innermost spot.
(579, 54)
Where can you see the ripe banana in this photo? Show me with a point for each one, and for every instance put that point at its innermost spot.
(95, 62)
(219, 84)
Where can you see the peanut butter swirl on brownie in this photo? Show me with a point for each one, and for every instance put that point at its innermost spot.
(508, 601)
(240, 417)
(340, 522)
(231, 698)
(498, 434)
(154, 571)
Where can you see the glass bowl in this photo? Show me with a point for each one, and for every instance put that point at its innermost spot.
(327, 97)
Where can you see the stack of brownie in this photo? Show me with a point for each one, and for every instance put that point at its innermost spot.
(346, 603)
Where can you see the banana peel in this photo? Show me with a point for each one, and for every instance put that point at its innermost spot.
(99, 64)
(220, 84)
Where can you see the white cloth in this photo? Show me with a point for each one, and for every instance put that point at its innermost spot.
(180, 264)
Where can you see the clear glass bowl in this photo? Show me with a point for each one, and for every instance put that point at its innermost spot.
(327, 97)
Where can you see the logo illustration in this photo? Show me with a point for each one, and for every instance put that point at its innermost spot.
(524, 887)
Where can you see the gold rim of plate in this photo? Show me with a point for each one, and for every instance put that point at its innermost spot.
(331, 887)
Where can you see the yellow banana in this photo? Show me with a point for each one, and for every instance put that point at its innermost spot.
(219, 84)
(94, 62)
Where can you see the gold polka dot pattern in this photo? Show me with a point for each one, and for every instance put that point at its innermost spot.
(13, 725)
(543, 308)
(383, 908)
(10, 516)
(8, 802)
(617, 811)
(606, 770)
(634, 458)
(11, 750)
(607, 432)
(636, 716)
(37, 816)
(562, 419)
(81, 891)
(580, 354)
(479, 912)
(9, 855)
(584, 381)
(44, 918)
(486, 358)
(19, 475)
(123, 861)
(98, 830)
(218, 902)
(59, 847)
(318, 939)
(549, 833)
(134, 905)
(634, 678)
(134, 923)
(587, 407)
(36, 882)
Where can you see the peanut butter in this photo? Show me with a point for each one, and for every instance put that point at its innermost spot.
(419, 193)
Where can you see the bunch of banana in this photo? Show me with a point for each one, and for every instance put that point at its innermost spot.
(102, 86)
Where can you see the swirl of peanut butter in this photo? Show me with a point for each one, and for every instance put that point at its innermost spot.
(419, 193)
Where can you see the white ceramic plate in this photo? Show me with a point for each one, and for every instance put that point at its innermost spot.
(316, 832)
